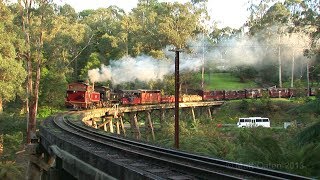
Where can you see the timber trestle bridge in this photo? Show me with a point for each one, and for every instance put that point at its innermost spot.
(111, 119)
(68, 149)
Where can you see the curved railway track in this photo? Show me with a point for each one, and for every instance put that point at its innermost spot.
(154, 162)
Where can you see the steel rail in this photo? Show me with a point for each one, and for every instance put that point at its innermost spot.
(201, 164)
(127, 147)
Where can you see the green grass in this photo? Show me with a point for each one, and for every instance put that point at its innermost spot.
(225, 81)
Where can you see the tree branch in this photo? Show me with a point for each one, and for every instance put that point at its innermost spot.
(80, 51)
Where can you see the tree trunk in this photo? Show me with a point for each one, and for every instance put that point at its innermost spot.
(280, 63)
(1, 144)
(1, 105)
(292, 69)
(35, 97)
(32, 87)
(280, 67)
(25, 14)
(29, 92)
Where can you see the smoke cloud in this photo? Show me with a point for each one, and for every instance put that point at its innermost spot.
(238, 50)
(143, 68)
(128, 69)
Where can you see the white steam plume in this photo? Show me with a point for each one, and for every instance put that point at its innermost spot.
(129, 69)
(230, 52)
(143, 68)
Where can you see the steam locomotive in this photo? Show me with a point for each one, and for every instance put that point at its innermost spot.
(81, 95)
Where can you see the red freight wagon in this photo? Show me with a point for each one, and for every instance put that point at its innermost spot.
(150, 96)
(241, 94)
(231, 95)
(167, 99)
(301, 92)
(212, 95)
(135, 97)
(279, 93)
(253, 93)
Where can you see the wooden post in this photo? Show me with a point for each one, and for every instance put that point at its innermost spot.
(193, 115)
(149, 125)
(138, 134)
(94, 124)
(122, 126)
(162, 116)
(118, 126)
(214, 111)
(134, 125)
(111, 124)
(105, 124)
(209, 113)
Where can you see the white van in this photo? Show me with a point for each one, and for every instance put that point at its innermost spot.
(253, 122)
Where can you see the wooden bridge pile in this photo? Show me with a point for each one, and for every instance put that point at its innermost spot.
(112, 119)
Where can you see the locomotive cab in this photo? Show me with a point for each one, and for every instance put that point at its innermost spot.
(81, 95)
(130, 97)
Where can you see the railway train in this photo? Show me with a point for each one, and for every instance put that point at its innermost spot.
(81, 95)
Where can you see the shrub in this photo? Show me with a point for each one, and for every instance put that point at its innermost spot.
(46, 111)
(244, 105)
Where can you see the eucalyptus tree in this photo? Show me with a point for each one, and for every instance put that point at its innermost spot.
(85, 13)
(277, 15)
(68, 12)
(92, 63)
(105, 25)
(218, 35)
(157, 25)
(257, 10)
(144, 35)
(309, 22)
(179, 23)
(154, 25)
(287, 20)
(35, 20)
(63, 47)
(12, 73)
(67, 43)
(270, 25)
(305, 19)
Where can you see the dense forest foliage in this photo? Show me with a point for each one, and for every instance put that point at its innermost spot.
(44, 46)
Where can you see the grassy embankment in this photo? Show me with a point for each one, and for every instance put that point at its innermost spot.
(225, 81)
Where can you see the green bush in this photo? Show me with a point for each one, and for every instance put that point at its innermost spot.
(46, 111)
(10, 123)
(11, 144)
(244, 105)
(10, 171)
